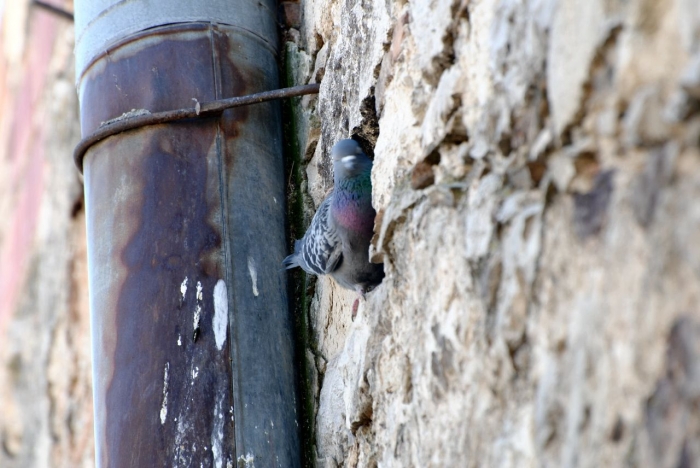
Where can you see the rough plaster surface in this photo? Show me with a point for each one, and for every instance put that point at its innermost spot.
(45, 367)
(537, 177)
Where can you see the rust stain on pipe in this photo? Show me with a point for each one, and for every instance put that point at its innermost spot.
(166, 238)
(162, 231)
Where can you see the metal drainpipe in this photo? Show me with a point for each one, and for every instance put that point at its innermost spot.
(191, 334)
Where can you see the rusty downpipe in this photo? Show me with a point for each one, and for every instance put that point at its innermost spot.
(191, 334)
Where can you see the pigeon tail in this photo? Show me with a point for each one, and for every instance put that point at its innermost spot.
(291, 261)
(294, 260)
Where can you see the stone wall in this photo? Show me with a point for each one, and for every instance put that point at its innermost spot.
(45, 383)
(537, 171)
(537, 182)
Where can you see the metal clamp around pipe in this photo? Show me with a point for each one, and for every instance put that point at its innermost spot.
(136, 119)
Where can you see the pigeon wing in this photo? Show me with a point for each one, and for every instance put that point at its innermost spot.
(319, 252)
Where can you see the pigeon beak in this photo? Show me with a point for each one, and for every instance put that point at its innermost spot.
(349, 161)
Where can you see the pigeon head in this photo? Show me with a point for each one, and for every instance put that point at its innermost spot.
(349, 160)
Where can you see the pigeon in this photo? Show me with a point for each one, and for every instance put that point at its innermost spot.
(337, 242)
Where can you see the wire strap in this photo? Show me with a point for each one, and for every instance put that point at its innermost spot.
(142, 118)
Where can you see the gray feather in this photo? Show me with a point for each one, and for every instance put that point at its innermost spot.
(319, 251)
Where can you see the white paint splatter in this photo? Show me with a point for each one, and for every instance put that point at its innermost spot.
(220, 321)
(183, 288)
(248, 459)
(164, 406)
(253, 276)
(181, 456)
(199, 291)
(195, 320)
(217, 433)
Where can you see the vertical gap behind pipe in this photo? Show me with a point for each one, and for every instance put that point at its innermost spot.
(299, 298)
